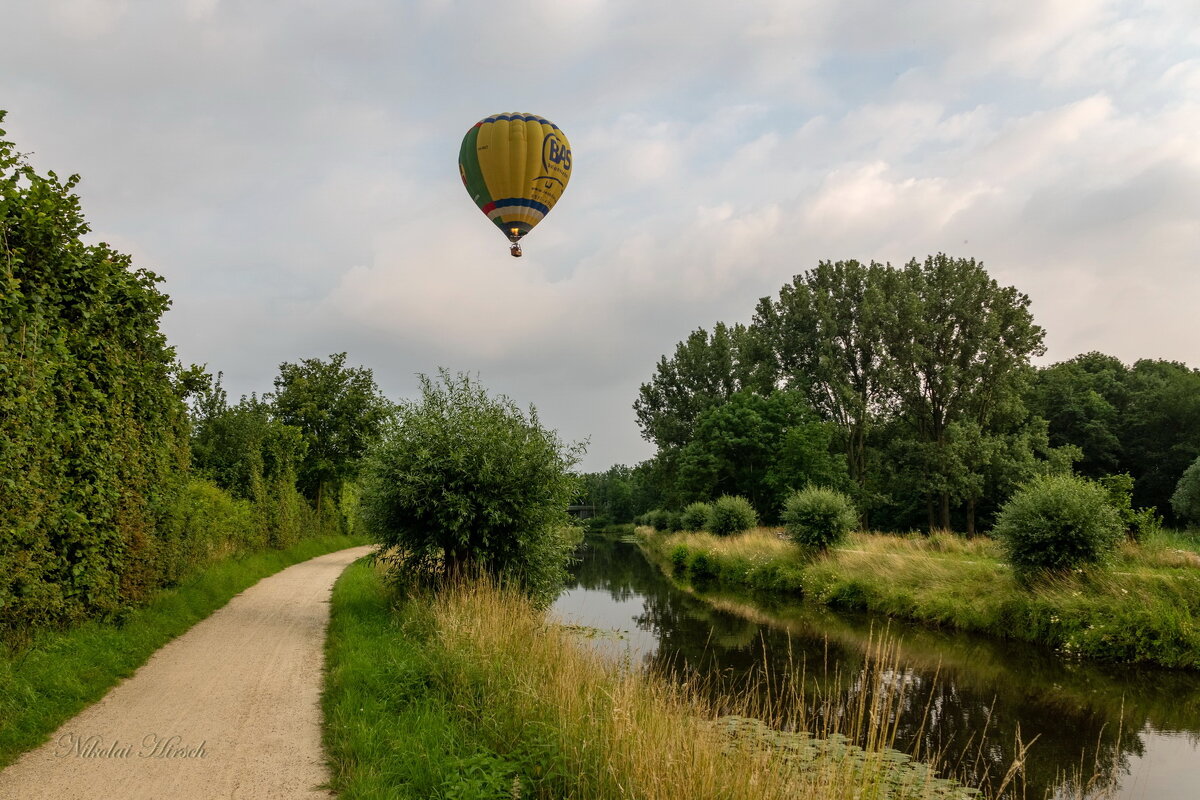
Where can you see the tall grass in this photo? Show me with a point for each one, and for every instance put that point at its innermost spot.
(423, 700)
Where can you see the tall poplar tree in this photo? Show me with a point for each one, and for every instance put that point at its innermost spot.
(825, 334)
(960, 346)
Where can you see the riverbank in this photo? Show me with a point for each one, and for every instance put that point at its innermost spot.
(59, 673)
(476, 694)
(1143, 608)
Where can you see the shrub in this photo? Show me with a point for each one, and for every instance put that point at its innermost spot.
(679, 559)
(656, 518)
(818, 518)
(673, 520)
(466, 481)
(1186, 500)
(1058, 522)
(1138, 522)
(703, 567)
(597, 523)
(730, 514)
(695, 516)
(204, 524)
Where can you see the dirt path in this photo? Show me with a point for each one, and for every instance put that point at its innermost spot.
(230, 709)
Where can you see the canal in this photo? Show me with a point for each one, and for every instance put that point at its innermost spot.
(1091, 731)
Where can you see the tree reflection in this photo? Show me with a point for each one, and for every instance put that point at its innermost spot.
(968, 701)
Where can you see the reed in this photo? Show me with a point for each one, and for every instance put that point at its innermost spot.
(554, 717)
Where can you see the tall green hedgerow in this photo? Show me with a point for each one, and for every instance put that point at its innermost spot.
(1058, 522)
(695, 516)
(466, 481)
(818, 518)
(93, 429)
(731, 514)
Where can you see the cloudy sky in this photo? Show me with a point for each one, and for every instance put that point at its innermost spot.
(290, 169)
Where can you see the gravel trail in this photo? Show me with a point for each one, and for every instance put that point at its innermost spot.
(230, 709)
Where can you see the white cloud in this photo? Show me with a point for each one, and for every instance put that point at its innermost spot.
(293, 174)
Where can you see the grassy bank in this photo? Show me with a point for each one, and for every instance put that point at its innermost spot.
(58, 673)
(1144, 607)
(474, 695)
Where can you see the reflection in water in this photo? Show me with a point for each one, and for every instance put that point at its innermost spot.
(1097, 731)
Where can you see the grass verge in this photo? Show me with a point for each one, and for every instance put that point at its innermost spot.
(59, 673)
(474, 695)
(1142, 608)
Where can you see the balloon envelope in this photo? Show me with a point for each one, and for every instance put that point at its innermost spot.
(515, 167)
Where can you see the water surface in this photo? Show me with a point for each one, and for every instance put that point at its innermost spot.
(1097, 731)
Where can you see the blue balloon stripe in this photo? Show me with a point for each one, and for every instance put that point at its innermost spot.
(522, 202)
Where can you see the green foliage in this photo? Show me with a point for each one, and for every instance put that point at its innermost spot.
(662, 520)
(659, 519)
(1186, 499)
(758, 446)
(204, 525)
(93, 439)
(818, 518)
(254, 457)
(1138, 522)
(679, 559)
(825, 334)
(706, 370)
(959, 352)
(1143, 420)
(468, 481)
(695, 516)
(1058, 522)
(703, 567)
(1160, 432)
(1082, 400)
(612, 493)
(730, 514)
(339, 413)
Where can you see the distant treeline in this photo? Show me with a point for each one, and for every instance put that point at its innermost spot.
(910, 388)
(120, 471)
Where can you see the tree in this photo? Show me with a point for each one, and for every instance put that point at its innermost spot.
(825, 336)
(246, 451)
(706, 370)
(1083, 400)
(960, 346)
(981, 464)
(1160, 429)
(610, 493)
(466, 481)
(338, 410)
(759, 447)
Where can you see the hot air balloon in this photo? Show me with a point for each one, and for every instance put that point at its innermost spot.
(515, 167)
